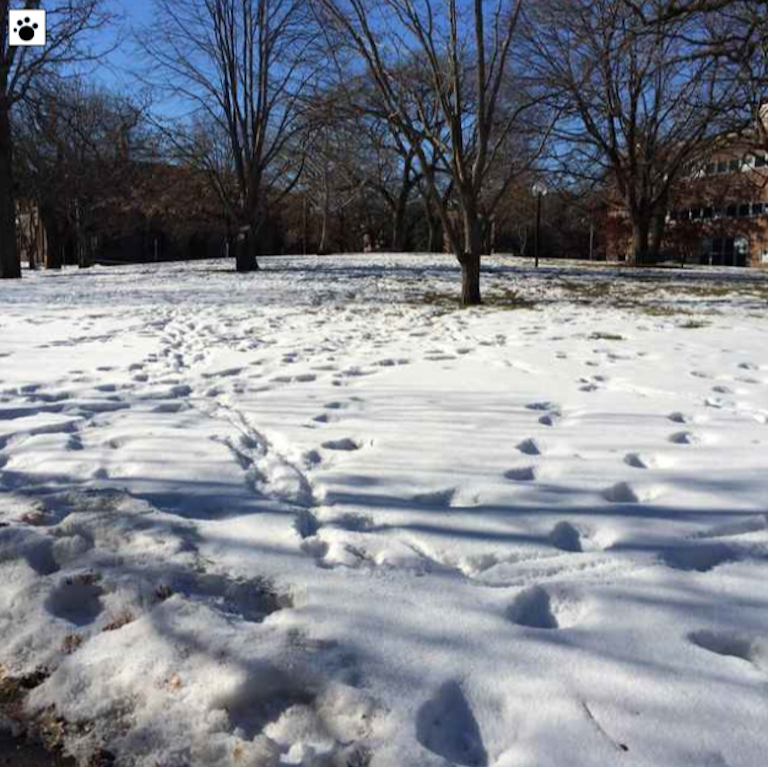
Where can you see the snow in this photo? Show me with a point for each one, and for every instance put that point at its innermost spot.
(320, 516)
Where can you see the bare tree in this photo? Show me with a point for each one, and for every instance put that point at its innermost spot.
(639, 106)
(69, 139)
(440, 69)
(678, 8)
(734, 32)
(393, 177)
(244, 66)
(20, 69)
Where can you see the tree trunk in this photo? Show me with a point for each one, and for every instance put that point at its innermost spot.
(398, 220)
(470, 260)
(489, 237)
(432, 226)
(53, 250)
(398, 225)
(657, 232)
(10, 263)
(322, 247)
(470, 280)
(83, 255)
(246, 252)
(640, 240)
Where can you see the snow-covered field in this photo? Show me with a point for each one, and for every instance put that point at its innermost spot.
(320, 516)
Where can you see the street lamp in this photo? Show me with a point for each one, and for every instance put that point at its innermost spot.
(539, 190)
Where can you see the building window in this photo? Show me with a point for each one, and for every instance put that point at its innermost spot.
(760, 161)
(734, 165)
(725, 251)
(707, 212)
(744, 210)
(758, 208)
(722, 166)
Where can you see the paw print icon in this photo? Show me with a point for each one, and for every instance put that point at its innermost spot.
(26, 27)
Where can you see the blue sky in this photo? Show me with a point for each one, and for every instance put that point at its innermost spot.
(133, 14)
(120, 67)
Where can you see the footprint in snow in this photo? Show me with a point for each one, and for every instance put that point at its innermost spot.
(587, 385)
(393, 362)
(306, 524)
(312, 459)
(345, 444)
(548, 406)
(732, 645)
(566, 537)
(648, 461)
(699, 558)
(521, 474)
(35, 549)
(621, 492)
(437, 498)
(302, 378)
(76, 600)
(171, 407)
(325, 418)
(753, 524)
(636, 461)
(253, 599)
(530, 447)
(446, 726)
(355, 523)
(684, 438)
(223, 373)
(536, 608)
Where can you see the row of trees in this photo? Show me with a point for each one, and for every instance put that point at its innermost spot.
(381, 107)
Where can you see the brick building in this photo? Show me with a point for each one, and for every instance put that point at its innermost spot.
(717, 214)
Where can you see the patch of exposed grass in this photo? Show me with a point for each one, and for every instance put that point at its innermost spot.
(600, 335)
(587, 290)
(660, 310)
(507, 300)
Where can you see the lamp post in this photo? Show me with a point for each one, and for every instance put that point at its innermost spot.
(539, 190)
